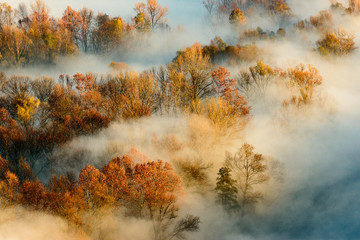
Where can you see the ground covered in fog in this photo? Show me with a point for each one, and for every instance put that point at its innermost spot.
(179, 119)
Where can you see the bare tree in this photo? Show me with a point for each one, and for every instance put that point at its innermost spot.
(86, 28)
(210, 6)
(249, 170)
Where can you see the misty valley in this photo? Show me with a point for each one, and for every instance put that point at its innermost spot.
(179, 119)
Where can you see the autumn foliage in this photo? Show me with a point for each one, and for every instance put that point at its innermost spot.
(338, 42)
(40, 117)
(147, 190)
(34, 36)
(237, 17)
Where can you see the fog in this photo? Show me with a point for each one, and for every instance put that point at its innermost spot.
(319, 147)
(188, 26)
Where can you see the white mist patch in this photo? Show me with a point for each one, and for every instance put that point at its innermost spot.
(18, 224)
(306, 8)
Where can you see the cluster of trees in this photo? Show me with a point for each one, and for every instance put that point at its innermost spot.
(260, 34)
(36, 37)
(353, 7)
(239, 193)
(146, 190)
(220, 52)
(335, 42)
(277, 7)
(38, 114)
(191, 83)
(322, 22)
(301, 81)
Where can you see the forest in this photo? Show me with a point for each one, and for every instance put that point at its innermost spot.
(179, 119)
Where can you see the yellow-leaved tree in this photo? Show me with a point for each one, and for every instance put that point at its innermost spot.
(26, 108)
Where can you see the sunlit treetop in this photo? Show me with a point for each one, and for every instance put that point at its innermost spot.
(237, 17)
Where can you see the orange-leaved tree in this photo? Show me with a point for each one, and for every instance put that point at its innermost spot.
(149, 190)
(305, 79)
(151, 13)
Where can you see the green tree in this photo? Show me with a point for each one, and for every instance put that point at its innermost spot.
(226, 190)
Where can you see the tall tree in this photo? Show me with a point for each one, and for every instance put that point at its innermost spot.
(226, 89)
(190, 77)
(250, 170)
(151, 13)
(86, 27)
(73, 22)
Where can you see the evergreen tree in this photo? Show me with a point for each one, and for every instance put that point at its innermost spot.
(226, 190)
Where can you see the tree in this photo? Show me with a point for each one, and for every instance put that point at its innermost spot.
(13, 46)
(237, 17)
(151, 14)
(65, 198)
(189, 223)
(7, 15)
(141, 23)
(108, 33)
(279, 7)
(33, 195)
(323, 21)
(354, 6)
(338, 42)
(93, 183)
(193, 171)
(305, 79)
(73, 22)
(42, 40)
(86, 27)
(12, 137)
(9, 188)
(157, 13)
(149, 190)
(190, 77)
(210, 6)
(226, 190)
(225, 6)
(141, 97)
(4, 167)
(256, 80)
(250, 170)
(26, 108)
(226, 89)
(131, 95)
(47, 38)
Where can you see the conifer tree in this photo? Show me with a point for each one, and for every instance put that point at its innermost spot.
(226, 190)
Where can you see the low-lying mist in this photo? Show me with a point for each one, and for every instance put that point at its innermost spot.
(312, 151)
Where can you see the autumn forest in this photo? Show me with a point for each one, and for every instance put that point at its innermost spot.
(179, 119)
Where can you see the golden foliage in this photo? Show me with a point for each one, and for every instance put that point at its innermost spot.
(338, 42)
(237, 17)
(26, 108)
(305, 79)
